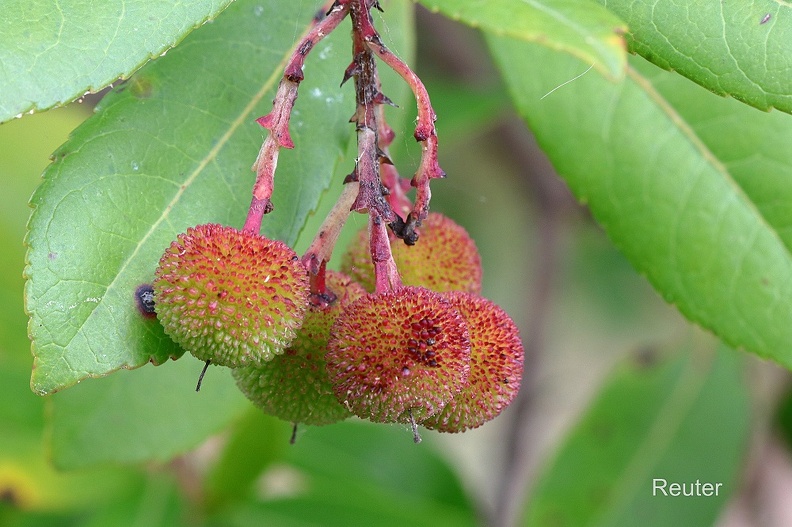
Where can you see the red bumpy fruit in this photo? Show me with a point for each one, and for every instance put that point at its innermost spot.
(295, 386)
(496, 366)
(398, 356)
(445, 258)
(230, 296)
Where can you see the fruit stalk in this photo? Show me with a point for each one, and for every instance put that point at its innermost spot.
(425, 131)
(370, 197)
(321, 249)
(396, 186)
(277, 121)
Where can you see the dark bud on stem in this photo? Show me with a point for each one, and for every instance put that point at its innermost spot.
(404, 230)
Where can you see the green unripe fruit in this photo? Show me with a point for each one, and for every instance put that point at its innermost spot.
(445, 258)
(398, 356)
(295, 386)
(496, 366)
(228, 296)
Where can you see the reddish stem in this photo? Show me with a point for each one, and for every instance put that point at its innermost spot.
(391, 180)
(425, 131)
(321, 249)
(386, 275)
(367, 170)
(258, 208)
(277, 121)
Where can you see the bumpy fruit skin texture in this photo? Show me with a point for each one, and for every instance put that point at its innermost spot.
(496, 366)
(295, 386)
(228, 296)
(444, 259)
(398, 356)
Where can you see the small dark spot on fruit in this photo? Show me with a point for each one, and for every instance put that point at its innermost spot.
(432, 363)
(430, 342)
(405, 371)
(144, 298)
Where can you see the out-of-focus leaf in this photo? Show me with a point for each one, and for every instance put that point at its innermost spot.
(170, 149)
(356, 473)
(33, 493)
(671, 202)
(53, 52)
(736, 48)
(783, 419)
(466, 111)
(157, 501)
(578, 27)
(682, 419)
(257, 441)
(25, 148)
(149, 414)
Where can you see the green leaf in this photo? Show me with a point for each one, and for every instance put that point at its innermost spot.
(150, 414)
(170, 149)
(672, 203)
(28, 482)
(756, 157)
(53, 52)
(683, 418)
(256, 442)
(158, 501)
(356, 473)
(578, 27)
(739, 49)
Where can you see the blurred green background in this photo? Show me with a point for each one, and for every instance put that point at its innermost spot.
(618, 389)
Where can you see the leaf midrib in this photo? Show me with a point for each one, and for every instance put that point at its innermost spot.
(688, 132)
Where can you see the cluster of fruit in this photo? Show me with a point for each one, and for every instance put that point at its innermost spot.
(433, 352)
(401, 334)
